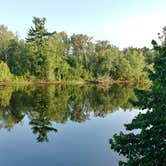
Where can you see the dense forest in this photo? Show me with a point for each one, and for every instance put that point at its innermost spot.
(55, 56)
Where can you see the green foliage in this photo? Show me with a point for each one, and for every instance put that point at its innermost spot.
(19, 60)
(5, 96)
(55, 56)
(5, 74)
(121, 69)
(5, 37)
(136, 61)
(103, 61)
(38, 43)
(148, 145)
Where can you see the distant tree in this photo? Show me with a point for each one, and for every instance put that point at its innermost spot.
(19, 59)
(121, 69)
(102, 45)
(5, 37)
(103, 60)
(136, 61)
(80, 46)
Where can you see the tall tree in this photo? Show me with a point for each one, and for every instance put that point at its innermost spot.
(80, 45)
(41, 53)
(5, 37)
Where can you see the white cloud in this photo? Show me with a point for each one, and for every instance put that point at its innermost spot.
(136, 31)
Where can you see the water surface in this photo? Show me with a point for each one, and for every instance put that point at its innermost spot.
(62, 125)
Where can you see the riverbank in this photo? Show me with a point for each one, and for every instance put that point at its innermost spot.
(94, 82)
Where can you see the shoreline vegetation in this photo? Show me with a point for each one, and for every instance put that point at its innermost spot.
(92, 82)
(55, 58)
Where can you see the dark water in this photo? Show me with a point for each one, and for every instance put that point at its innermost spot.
(62, 125)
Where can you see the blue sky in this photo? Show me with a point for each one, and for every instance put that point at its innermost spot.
(122, 22)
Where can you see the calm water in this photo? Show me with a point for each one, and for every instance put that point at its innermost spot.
(62, 125)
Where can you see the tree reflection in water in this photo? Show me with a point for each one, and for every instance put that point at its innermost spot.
(44, 105)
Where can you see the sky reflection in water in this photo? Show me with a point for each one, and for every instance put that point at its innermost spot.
(62, 125)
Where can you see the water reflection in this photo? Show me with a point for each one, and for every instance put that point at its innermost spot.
(44, 105)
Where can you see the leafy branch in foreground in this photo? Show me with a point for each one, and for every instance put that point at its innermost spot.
(147, 146)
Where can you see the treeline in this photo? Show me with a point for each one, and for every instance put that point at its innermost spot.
(56, 56)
